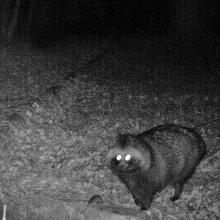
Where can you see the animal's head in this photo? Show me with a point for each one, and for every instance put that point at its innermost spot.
(129, 155)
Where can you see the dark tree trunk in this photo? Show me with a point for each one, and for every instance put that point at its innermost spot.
(31, 8)
(13, 20)
(9, 19)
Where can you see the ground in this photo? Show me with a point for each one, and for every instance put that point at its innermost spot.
(53, 142)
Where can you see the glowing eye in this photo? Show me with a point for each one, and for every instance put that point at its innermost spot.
(118, 157)
(128, 157)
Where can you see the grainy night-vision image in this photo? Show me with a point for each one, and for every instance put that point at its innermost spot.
(108, 106)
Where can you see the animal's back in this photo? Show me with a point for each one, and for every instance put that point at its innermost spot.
(181, 148)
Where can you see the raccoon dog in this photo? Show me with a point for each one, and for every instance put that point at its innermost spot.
(164, 155)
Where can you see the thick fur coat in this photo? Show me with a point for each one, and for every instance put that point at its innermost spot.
(164, 155)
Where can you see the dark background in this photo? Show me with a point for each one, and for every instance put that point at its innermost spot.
(182, 34)
(52, 21)
(75, 73)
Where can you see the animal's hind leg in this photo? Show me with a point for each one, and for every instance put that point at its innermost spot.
(178, 187)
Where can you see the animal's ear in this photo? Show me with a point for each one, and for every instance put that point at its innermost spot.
(118, 135)
(122, 139)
